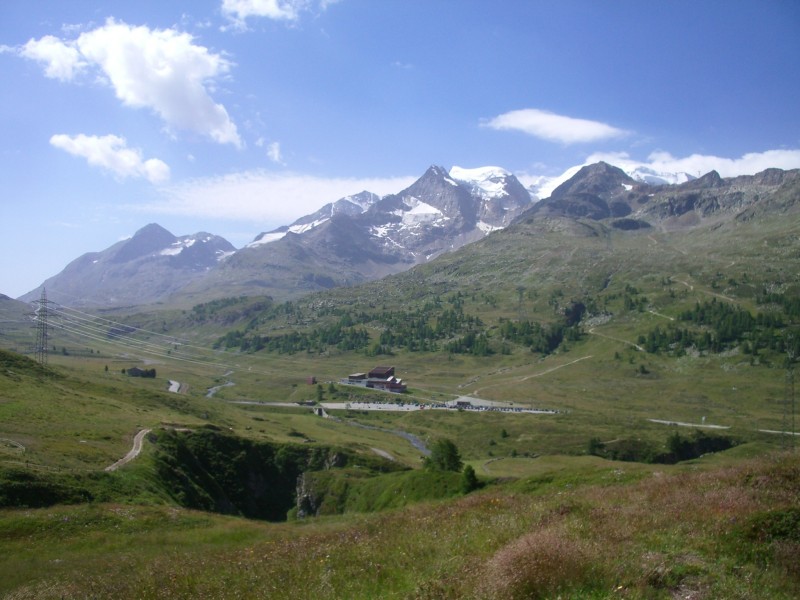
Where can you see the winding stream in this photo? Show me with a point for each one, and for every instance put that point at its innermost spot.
(216, 388)
(410, 437)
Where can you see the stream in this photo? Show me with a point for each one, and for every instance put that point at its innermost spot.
(216, 388)
(410, 437)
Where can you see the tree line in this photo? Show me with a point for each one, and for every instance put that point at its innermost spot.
(438, 326)
(715, 326)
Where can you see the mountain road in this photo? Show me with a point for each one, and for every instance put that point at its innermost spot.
(133, 453)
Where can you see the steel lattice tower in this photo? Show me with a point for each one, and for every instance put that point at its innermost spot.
(42, 338)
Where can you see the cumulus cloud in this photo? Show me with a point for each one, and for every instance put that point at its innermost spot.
(274, 153)
(111, 152)
(264, 197)
(61, 61)
(158, 69)
(238, 11)
(700, 164)
(554, 128)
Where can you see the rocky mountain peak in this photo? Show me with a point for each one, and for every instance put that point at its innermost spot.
(437, 189)
(436, 172)
(597, 179)
(150, 238)
(708, 181)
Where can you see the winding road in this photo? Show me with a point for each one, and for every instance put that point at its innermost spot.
(138, 439)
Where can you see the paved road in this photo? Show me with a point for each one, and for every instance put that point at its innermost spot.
(134, 452)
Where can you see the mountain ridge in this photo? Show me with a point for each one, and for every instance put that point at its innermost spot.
(365, 237)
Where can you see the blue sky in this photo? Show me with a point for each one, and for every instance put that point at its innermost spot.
(237, 116)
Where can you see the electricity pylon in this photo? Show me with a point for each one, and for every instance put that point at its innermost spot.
(42, 338)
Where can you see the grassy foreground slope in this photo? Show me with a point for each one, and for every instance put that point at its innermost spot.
(593, 530)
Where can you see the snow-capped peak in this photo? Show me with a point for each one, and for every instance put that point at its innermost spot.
(488, 182)
(363, 200)
(653, 177)
(542, 187)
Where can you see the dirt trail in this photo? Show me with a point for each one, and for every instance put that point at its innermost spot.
(520, 378)
(608, 337)
(133, 453)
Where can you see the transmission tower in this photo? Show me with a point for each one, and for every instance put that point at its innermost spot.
(42, 338)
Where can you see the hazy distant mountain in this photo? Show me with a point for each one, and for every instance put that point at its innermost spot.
(143, 269)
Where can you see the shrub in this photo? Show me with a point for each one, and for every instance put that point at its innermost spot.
(540, 564)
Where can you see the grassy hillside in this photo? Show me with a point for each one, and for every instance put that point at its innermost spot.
(650, 348)
(453, 327)
(583, 530)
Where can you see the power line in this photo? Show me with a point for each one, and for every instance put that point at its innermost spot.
(131, 328)
(101, 329)
(42, 335)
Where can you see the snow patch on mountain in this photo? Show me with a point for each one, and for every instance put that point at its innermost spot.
(487, 228)
(266, 238)
(179, 246)
(357, 203)
(274, 236)
(349, 205)
(485, 182)
(542, 187)
(653, 177)
(420, 212)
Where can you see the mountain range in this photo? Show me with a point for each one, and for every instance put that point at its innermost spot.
(365, 237)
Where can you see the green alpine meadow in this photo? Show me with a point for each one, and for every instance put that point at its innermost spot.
(572, 407)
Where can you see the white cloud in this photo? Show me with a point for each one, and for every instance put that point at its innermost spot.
(165, 71)
(159, 69)
(238, 11)
(700, 164)
(110, 152)
(274, 153)
(61, 61)
(555, 128)
(262, 197)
